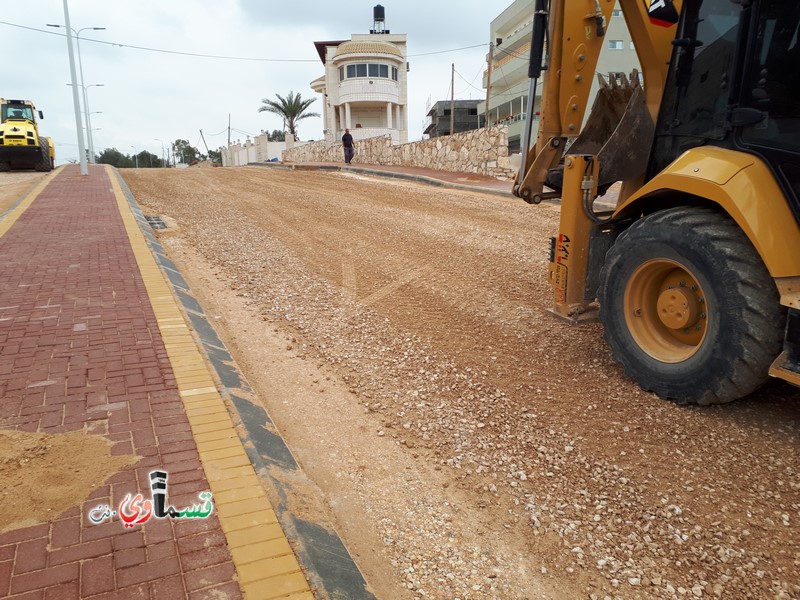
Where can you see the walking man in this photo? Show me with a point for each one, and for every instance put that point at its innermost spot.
(349, 146)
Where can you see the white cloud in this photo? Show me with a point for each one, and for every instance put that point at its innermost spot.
(147, 95)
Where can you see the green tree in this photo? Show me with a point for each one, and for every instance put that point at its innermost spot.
(276, 136)
(113, 157)
(185, 153)
(215, 156)
(148, 160)
(291, 109)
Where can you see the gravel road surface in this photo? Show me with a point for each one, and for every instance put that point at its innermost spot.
(465, 442)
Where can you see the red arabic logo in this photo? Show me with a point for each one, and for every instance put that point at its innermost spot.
(136, 510)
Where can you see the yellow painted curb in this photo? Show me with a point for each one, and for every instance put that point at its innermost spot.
(20, 208)
(240, 502)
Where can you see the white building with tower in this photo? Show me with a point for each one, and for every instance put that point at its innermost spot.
(365, 85)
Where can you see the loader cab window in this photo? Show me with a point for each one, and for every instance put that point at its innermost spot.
(772, 82)
(698, 87)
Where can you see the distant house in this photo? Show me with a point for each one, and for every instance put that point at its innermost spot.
(466, 117)
(365, 84)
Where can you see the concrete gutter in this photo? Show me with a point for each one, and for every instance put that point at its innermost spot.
(389, 174)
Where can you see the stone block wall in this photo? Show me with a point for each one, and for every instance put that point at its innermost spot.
(483, 151)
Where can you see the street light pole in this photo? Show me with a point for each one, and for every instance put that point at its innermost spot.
(163, 162)
(88, 114)
(75, 99)
(135, 155)
(89, 118)
(80, 65)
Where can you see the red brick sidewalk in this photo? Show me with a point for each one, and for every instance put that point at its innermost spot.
(80, 349)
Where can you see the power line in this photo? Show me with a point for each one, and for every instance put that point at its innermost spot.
(469, 83)
(444, 51)
(484, 89)
(243, 132)
(215, 134)
(511, 52)
(196, 54)
(480, 70)
(217, 56)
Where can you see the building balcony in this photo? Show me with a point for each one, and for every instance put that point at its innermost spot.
(369, 90)
(514, 41)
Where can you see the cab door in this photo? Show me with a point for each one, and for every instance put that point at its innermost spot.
(767, 122)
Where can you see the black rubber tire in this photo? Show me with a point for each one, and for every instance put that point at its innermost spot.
(743, 335)
(44, 163)
(5, 167)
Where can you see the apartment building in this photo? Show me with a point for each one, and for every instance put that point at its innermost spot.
(465, 117)
(510, 35)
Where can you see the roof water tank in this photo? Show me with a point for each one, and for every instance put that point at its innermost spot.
(378, 13)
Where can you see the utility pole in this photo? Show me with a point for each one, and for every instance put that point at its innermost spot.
(488, 84)
(204, 141)
(75, 98)
(229, 130)
(453, 99)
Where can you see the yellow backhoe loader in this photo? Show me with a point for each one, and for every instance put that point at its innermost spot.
(695, 273)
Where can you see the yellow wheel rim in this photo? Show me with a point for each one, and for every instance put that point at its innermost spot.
(666, 310)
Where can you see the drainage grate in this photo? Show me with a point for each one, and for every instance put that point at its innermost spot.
(156, 222)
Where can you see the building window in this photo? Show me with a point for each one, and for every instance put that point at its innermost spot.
(616, 12)
(631, 46)
(473, 111)
(366, 70)
(615, 44)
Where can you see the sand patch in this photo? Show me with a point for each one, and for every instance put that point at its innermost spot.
(43, 475)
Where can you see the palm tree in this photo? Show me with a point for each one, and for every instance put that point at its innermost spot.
(292, 109)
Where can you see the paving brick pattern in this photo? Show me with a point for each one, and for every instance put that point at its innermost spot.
(80, 349)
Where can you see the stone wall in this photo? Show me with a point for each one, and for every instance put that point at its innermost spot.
(483, 151)
(259, 149)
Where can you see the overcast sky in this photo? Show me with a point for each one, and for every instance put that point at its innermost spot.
(148, 94)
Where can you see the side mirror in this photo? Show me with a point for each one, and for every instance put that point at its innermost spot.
(41, 115)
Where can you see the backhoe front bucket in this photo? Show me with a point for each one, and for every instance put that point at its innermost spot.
(619, 132)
